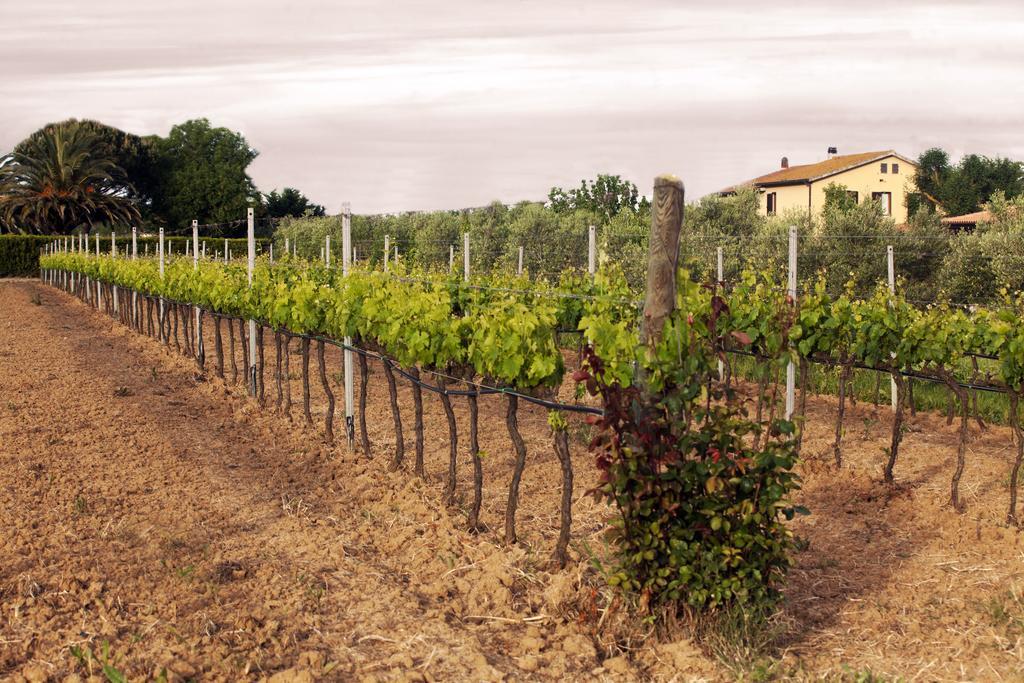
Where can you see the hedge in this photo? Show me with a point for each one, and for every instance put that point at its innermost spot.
(19, 254)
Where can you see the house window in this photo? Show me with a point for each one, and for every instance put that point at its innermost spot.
(895, 168)
(772, 204)
(885, 199)
(854, 196)
(885, 168)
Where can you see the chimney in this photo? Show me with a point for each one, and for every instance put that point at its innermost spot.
(833, 152)
(785, 162)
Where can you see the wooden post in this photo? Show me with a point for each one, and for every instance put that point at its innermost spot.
(465, 256)
(252, 323)
(667, 213)
(891, 266)
(592, 250)
(346, 254)
(271, 252)
(387, 251)
(790, 367)
(451, 256)
(113, 243)
(287, 251)
(327, 250)
(225, 250)
(519, 270)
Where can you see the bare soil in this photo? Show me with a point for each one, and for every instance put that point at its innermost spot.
(156, 516)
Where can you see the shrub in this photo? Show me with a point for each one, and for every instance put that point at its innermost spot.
(701, 509)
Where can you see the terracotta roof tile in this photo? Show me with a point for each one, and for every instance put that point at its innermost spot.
(821, 169)
(968, 218)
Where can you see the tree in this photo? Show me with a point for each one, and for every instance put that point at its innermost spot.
(838, 198)
(60, 179)
(290, 202)
(202, 175)
(965, 187)
(606, 196)
(134, 154)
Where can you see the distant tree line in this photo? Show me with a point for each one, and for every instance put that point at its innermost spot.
(84, 175)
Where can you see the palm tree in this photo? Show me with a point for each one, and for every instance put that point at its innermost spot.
(60, 182)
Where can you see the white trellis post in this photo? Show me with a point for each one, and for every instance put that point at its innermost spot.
(790, 368)
(451, 256)
(721, 283)
(465, 256)
(387, 251)
(891, 267)
(346, 257)
(99, 293)
(519, 269)
(200, 351)
(161, 256)
(271, 252)
(225, 250)
(135, 256)
(321, 253)
(327, 250)
(287, 251)
(204, 249)
(592, 250)
(113, 254)
(252, 323)
(396, 254)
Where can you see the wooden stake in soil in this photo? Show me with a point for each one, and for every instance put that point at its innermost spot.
(364, 372)
(1011, 515)
(417, 401)
(561, 439)
(393, 392)
(453, 444)
(517, 472)
(218, 345)
(478, 467)
(259, 364)
(277, 366)
(897, 426)
(231, 343)
(329, 417)
(304, 345)
(287, 375)
(663, 258)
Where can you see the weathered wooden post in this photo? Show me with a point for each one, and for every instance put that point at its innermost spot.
(663, 257)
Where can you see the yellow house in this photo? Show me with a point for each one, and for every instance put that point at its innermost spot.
(884, 177)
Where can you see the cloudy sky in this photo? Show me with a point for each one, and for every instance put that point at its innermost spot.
(419, 105)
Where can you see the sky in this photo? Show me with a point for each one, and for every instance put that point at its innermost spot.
(409, 105)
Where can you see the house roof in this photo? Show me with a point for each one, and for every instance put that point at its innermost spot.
(968, 218)
(823, 169)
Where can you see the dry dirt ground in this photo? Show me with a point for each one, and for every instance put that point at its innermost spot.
(155, 520)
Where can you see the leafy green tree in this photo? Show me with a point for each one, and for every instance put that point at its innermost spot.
(966, 186)
(605, 196)
(202, 175)
(134, 154)
(838, 198)
(61, 180)
(290, 202)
